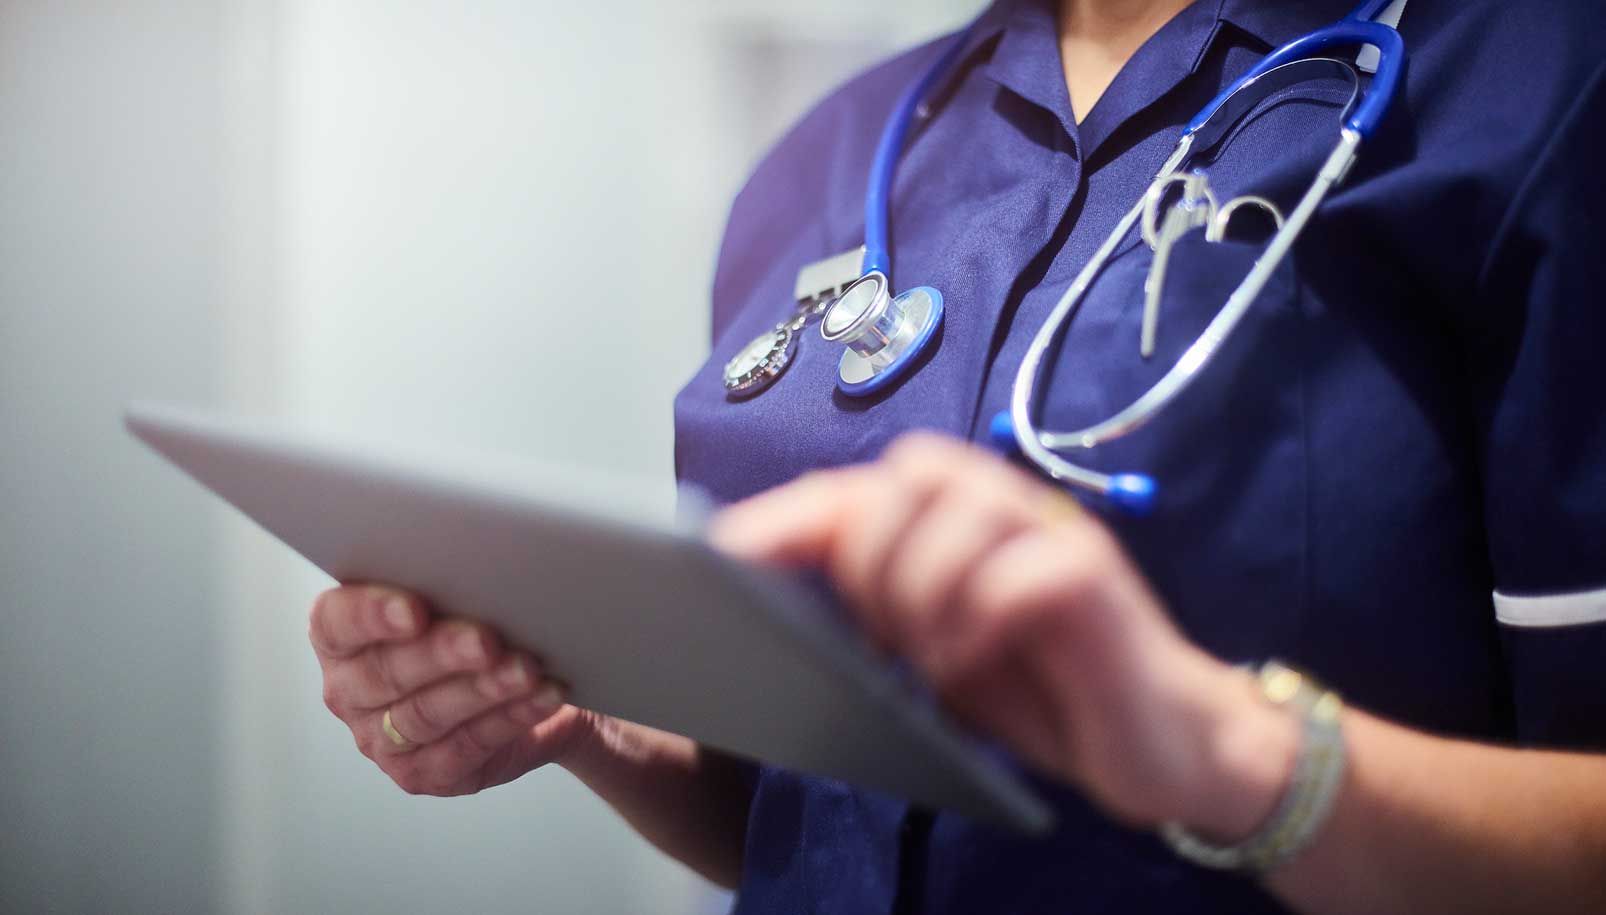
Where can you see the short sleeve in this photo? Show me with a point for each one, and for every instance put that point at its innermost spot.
(1538, 368)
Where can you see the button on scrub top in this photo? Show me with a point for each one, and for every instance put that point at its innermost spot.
(1411, 418)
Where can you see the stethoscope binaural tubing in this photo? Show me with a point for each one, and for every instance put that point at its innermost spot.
(1135, 493)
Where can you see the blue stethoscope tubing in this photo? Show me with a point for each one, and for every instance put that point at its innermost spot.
(1135, 493)
(1355, 29)
(888, 152)
(877, 258)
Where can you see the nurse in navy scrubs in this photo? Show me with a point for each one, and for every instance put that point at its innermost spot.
(1394, 481)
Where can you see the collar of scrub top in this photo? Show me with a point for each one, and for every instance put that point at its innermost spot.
(1135, 493)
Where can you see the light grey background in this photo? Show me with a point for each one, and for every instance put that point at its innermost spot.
(428, 217)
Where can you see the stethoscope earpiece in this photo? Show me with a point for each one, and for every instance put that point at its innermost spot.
(1130, 493)
(1001, 432)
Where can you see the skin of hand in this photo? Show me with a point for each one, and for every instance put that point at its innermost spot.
(1026, 616)
(1024, 613)
(474, 714)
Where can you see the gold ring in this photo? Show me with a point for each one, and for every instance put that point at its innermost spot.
(391, 732)
(1060, 508)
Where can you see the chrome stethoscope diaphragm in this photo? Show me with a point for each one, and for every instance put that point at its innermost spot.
(883, 333)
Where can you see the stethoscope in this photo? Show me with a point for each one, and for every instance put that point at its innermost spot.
(884, 334)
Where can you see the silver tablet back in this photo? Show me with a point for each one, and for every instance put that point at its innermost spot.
(639, 616)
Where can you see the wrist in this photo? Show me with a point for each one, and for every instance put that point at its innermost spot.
(1251, 748)
(585, 751)
(607, 751)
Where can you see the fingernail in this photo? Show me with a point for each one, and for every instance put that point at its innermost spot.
(550, 696)
(470, 647)
(398, 614)
(515, 675)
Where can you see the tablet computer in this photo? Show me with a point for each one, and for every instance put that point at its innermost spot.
(622, 601)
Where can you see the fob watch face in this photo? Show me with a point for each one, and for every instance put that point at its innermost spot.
(760, 362)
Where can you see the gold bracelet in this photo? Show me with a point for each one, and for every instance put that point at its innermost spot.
(1311, 792)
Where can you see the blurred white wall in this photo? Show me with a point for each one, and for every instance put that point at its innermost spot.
(109, 624)
(452, 221)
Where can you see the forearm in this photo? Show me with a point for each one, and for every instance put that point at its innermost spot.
(689, 802)
(1421, 824)
(1426, 824)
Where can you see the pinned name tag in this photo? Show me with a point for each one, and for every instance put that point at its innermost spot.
(827, 278)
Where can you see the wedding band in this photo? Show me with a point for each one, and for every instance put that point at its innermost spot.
(391, 732)
(1059, 508)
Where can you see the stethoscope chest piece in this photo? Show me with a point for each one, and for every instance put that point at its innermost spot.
(884, 334)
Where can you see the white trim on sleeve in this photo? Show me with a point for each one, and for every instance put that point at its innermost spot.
(1574, 609)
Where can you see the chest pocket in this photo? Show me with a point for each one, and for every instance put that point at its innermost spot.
(1227, 543)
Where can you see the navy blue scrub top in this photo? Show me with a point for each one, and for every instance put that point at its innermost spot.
(1409, 420)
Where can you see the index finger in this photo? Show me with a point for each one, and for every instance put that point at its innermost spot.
(347, 619)
(793, 524)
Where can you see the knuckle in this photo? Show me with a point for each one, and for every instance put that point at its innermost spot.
(333, 700)
(915, 449)
(440, 644)
(410, 780)
(975, 493)
(465, 744)
(447, 640)
(925, 448)
(1093, 561)
(926, 461)
(952, 667)
(321, 603)
(366, 745)
(371, 609)
(424, 718)
(917, 601)
(409, 775)
(380, 666)
(817, 478)
(317, 619)
(940, 663)
(440, 786)
(429, 780)
(998, 640)
(1037, 619)
(907, 630)
(1079, 580)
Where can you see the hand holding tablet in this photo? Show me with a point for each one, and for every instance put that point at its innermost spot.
(440, 704)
